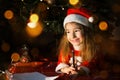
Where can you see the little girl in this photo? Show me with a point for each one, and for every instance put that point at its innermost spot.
(77, 51)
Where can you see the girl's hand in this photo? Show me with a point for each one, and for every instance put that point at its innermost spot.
(68, 70)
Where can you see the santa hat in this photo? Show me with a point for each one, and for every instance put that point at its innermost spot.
(80, 15)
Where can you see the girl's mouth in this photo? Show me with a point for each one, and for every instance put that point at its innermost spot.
(75, 40)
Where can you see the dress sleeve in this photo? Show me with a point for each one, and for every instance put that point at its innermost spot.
(60, 64)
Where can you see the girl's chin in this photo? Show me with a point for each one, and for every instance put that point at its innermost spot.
(76, 44)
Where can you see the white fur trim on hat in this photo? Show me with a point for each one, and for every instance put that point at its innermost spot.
(60, 66)
(76, 18)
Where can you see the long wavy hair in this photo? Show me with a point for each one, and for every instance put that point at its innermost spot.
(88, 50)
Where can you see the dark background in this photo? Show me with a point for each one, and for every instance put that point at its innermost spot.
(47, 42)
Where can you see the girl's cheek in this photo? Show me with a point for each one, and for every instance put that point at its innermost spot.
(68, 36)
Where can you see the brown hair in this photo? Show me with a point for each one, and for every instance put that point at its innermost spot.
(88, 51)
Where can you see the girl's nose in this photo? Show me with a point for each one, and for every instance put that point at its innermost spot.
(73, 35)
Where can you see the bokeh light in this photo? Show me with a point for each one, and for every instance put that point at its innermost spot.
(8, 14)
(50, 1)
(5, 47)
(73, 2)
(103, 25)
(32, 24)
(36, 31)
(34, 18)
(15, 57)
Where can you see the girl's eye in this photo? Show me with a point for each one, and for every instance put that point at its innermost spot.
(67, 31)
(77, 30)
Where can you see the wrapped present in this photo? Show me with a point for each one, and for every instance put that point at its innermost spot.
(47, 68)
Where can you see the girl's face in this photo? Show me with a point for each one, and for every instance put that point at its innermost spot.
(74, 34)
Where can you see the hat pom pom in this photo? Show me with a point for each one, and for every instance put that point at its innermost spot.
(91, 19)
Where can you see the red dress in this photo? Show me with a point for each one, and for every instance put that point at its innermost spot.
(89, 67)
